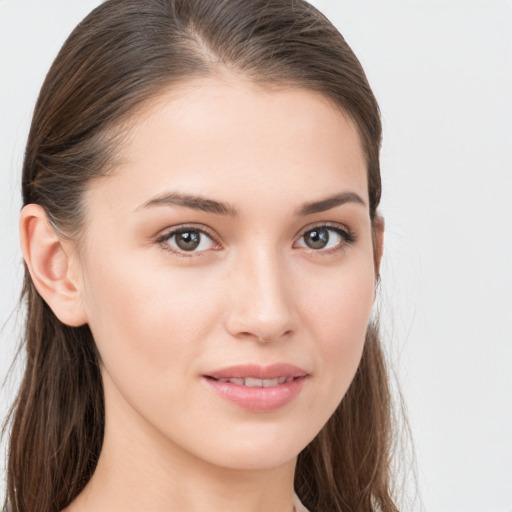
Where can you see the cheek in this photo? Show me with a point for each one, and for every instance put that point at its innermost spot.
(147, 316)
(340, 300)
(338, 312)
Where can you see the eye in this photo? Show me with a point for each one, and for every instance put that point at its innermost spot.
(187, 240)
(325, 238)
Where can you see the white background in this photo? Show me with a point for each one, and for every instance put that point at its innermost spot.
(442, 72)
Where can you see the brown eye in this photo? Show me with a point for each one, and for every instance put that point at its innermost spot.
(188, 240)
(317, 238)
(325, 238)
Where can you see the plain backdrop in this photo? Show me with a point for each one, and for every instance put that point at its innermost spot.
(442, 72)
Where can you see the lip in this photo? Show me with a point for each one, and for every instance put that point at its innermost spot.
(258, 399)
(258, 372)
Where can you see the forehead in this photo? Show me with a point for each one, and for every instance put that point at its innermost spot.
(239, 142)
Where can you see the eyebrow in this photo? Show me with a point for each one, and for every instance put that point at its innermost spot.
(197, 202)
(328, 203)
(194, 202)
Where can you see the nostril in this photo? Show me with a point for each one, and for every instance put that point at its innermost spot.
(270, 338)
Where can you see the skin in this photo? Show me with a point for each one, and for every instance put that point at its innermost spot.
(253, 292)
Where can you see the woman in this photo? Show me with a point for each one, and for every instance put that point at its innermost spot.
(202, 247)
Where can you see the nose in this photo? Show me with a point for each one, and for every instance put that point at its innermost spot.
(261, 298)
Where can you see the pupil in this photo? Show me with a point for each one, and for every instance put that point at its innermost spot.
(317, 238)
(188, 240)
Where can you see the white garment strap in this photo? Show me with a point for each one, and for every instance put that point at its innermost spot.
(299, 507)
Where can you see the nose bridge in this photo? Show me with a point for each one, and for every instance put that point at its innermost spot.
(262, 299)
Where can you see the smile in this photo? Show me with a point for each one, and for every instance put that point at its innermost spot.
(251, 382)
(258, 389)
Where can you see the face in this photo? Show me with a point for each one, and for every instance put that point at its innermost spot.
(228, 272)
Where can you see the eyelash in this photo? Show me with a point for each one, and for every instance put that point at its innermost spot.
(348, 238)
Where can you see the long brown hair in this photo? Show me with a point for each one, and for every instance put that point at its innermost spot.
(121, 55)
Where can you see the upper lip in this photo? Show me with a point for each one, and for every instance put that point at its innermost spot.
(254, 371)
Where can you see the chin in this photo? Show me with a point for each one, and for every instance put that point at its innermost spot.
(261, 449)
(256, 460)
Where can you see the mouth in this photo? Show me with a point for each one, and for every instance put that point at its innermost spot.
(252, 382)
(254, 375)
(258, 389)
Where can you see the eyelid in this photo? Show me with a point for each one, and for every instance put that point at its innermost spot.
(325, 224)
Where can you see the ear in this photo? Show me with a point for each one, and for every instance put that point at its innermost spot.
(52, 265)
(378, 242)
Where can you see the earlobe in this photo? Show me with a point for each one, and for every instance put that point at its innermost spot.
(51, 265)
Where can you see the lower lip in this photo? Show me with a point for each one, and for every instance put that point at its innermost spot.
(258, 399)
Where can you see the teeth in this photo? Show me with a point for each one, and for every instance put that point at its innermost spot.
(251, 382)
